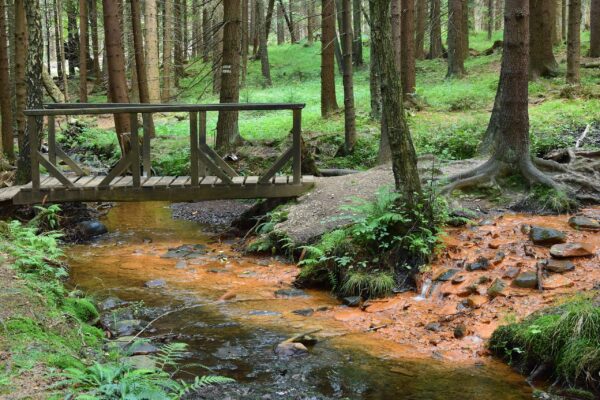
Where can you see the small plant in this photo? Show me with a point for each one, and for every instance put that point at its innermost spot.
(47, 218)
(547, 200)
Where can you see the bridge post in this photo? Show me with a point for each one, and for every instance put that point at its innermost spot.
(297, 146)
(33, 153)
(202, 139)
(146, 164)
(52, 139)
(135, 151)
(194, 148)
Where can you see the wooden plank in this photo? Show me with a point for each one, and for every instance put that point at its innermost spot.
(8, 193)
(152, 181)
(194, 149)
(281, 180)
(297, 146)
(119, 169)
(84, 180)
(97, 181)
(124, 181)
(252, 180)
(52, 139)
(218, 160)
(135, 150)
(277, 165)
(212, 167)
(238, 180)
(180, 181)
(210, 181)
(54, 171)
(166, 181)
(69, 161)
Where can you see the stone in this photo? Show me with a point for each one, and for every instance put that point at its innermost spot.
(305, 312)
(142, 349)
(494, 244)
(186, 251)
(460, 331)
(476, 301)
(142, 362)
(458, 279)
(542, 236)
(481, 264)
(433, 326)
(497, 288)
(92, 228)
(352, 301)
(557, 282)
(290, 349)
(483, 279)
(264, 313)
(290, 293)
(155, 284)
(559, 266)
(499, 257)
(446, 275)
(569, 250)
(487, 222)
(181, 264)
(583, 223)
(511, 272)
(111, 303)
(527, 280)
(127, 327)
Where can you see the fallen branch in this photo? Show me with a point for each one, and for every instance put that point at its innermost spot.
(583, 135)
(591, 64)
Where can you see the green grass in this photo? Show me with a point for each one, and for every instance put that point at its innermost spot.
(565, 337)
(450, 125)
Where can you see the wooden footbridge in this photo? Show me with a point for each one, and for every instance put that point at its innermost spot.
(131, 179)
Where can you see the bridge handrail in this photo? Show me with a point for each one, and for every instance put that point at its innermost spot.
(203, 159)
(57, 109)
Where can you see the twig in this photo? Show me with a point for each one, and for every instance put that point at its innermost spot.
(583, 135)
(300, 335)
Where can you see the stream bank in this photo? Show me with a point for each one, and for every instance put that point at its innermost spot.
(144, 260)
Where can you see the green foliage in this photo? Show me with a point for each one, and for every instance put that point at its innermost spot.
(47, 218)
(381, 238)
(567, 337)
(548, 200)
(121, 380)
(269, 240)
(82, 309)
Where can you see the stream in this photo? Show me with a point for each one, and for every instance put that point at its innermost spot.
(236, 337)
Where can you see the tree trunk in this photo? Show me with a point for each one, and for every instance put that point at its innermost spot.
(117, 82)
(490, 19)
(456, 66)
(53, 91)
(541, 61)
(95, 46)
(499, 14)
(328, 99)
(396, 22)
(349, 112)
(72, 37)
(595, 29)
(245, 41)
(20, 65)
(5, 99)
(47, 32)
(57, 43)
(436, 49)
(178, 42)
(421, 23)
(83, 40)
(152, 60)
(357, 48)
(217, 47)
(227, 125)
(33, 76)
(290, 22)
(167, 52)
(280, 26)
(404, 159)
(563, 18)
(465, 29)
(407, 53)
(269, 17)
(140, 63)
(207, 41)
(310, 22)
(574, 42)
(263, 51)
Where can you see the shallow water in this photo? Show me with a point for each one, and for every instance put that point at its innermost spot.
(236, 337)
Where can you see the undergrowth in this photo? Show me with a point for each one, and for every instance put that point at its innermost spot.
(565, 338)
(47, 327)
(381, 248)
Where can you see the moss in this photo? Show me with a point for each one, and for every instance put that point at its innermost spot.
(82, 309)
(566, 337)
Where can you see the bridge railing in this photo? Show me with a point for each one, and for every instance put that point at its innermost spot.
(203, 159)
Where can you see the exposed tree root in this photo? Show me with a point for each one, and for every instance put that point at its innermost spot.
(573, 171)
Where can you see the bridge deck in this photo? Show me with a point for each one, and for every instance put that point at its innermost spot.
(159, 188)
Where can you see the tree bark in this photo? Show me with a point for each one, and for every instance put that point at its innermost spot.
(245, 41)
(456, 66)
(490, 19)
(263, 51)
(574, 42)
(117, 81)
(465, 29)
(178, 42)
(5, 98)
(33, 76)
(289, 22)
(407, 53)
(357, 49)
(20, 63)
(595, 29)
(396, 22)
(280, 26)
(83, 56)
(404, 159)
(269, 17)
(436, 49)
(541, 57)
(53, 91)
(227, 124)
(206, 35)
(95, 45)
(421, 23)
(310, 22)
(152, 60)
(349, 112)
(499, 13)
(328, 98)
(167, 52)
(217, 46)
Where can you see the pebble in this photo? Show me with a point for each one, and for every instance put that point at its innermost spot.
(569, 250)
